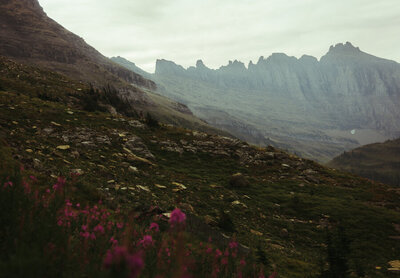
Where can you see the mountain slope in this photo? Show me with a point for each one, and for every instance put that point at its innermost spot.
(283, 204)
(379, 161)
(304, 105)
(30, 37)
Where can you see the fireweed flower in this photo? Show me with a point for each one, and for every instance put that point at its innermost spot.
(154, 226)
(146, 241)
(113, 241)
(177, 217)
(85, 234)
(8, 184)
(60, 184)
(233, 245)
(99, 228)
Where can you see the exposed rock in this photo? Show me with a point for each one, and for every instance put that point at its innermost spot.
(209, 220)
(133, 169)
(284, 233)
(134, 157)
(257, 233)
(145, 188)
(238, 203)
(136, 146)
(63, 147)
(179, 187)
(136, 124)
(77, 171)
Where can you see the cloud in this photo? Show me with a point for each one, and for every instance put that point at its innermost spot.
(218, 31)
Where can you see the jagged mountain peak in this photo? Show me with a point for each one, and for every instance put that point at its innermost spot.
(234, 65)
(346, 48)
(165, 67)
(200, 64)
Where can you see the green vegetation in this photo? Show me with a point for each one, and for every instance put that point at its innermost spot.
(379, 161)
(280, 217)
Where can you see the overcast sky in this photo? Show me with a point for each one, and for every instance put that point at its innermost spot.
(217, 31)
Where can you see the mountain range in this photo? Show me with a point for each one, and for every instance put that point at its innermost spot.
(303, 105)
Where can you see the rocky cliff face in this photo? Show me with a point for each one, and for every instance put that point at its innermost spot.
(291, 99)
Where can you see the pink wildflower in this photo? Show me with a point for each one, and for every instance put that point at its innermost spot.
(233, 245)
(99, 228)
(154, 226)
(85, 234)
(84, 228)
(242, 262)
(224, 261)
(33, 178)
(146, 241)
(120, 225)
(8, 184)
(113, 240)
(177, 217)
(60, 184)
(218, 253)
(92, 236)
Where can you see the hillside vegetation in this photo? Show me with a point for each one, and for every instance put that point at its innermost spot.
(286, 213)
(380, 162)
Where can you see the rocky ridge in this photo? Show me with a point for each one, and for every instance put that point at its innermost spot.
(304, 105)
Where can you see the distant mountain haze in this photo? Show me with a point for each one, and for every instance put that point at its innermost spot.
(304, 105)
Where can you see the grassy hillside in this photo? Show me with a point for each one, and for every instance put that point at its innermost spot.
(279, 207)
(380, 162)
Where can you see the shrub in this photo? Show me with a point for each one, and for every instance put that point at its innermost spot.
(151, 121)
(225, 222)
(238, 180)
(90, 100)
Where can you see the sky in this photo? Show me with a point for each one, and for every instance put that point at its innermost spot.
(217, 31)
